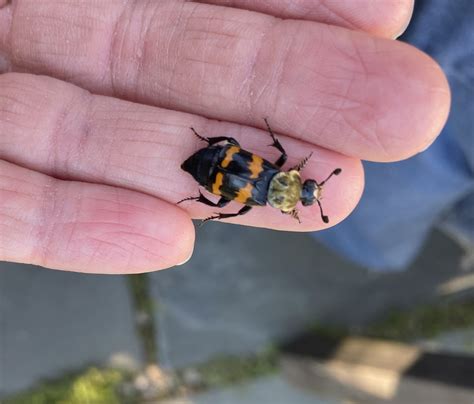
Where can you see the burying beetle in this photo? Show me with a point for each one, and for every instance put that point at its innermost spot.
(237, 175)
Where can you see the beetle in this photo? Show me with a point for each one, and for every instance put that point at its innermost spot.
(225, 169)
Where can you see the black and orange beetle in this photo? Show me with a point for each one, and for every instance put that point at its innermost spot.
(238, 175)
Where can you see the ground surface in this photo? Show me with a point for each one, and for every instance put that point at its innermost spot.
(244, 290)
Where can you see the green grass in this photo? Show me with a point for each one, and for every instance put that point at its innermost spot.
(423, 322)
(231, 370)
(102, 386)
(143, 305)
(92, 386)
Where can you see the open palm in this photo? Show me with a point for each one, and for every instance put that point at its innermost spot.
(98, 100)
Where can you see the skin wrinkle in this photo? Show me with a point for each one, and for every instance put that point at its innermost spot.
(106, 242)
(371, 136)
(73, 45)
(95, 222)
(107, 165)
(337, 96)
(172, 38)
(386, 18)
(15, 101)
(348, 23)
(82, 123)
(18, 181)
(87, 24)
(318, 104)
(133, 207)
(151, 132)
(72, 226)
(8, 215)
(13, 215)
(119, 204)
(142, 172)
(49, 210)
(201, 66)
(85, 130)
(281, 72)
(127, 240)
(360, 60)
(6, 192)
(341, 111)
(207, 41)
(145, 43)
(333, 35)
(95, 253)
(200, 91)
(113, 44)
(254, 95)
(334, 110)
(59, 134)
(166, 88)
(16, 84)
(342, 98)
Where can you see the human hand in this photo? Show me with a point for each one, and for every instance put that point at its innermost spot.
(91, 151)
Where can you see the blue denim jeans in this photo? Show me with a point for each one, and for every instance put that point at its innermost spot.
(403, 201)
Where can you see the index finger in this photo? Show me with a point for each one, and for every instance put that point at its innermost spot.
(63, 131)
(362, 96)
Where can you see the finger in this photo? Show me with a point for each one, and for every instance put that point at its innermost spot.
(5, 22)
(65, 132)
(385, 18)
(87, 228)
(370, 98)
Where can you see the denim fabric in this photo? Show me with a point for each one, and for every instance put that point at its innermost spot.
(403, 201)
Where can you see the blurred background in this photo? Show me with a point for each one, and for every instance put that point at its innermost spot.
(378, 309)
(225, 327)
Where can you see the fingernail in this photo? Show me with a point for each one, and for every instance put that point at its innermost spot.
(407, 22)
(186, 260)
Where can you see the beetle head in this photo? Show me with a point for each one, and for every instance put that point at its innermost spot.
(312, 191)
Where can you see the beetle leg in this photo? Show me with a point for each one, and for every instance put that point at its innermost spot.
(302, 163)
(220, 216)
(276, 144)
(213, 140)
(202, 199)
(293, 213)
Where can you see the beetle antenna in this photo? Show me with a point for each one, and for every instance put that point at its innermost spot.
(337, 171)
(323, 216)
